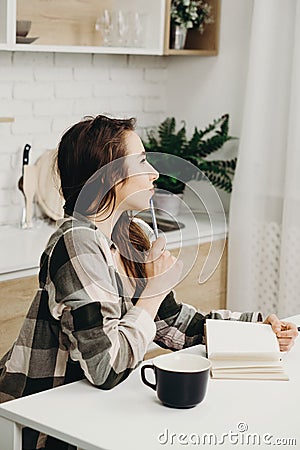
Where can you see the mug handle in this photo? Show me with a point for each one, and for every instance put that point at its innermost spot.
(143, 375)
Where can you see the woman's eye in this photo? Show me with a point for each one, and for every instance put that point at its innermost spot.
(143, 160)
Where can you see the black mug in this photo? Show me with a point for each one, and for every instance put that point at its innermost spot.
(180, 379)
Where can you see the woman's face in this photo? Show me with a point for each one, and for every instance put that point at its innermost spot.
(135, 192)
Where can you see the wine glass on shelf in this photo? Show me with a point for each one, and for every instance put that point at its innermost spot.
(137, 29)
(122, 28)
(105, 26)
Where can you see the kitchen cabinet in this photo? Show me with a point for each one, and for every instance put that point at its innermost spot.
(211, 294)
(16, 295)
(91, 26)
(205, 297)
(15, 298)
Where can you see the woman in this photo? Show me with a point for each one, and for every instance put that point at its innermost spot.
(104, 292)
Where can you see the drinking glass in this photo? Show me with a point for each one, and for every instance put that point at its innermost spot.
(105, 26)
(137, 29)
(122, 28)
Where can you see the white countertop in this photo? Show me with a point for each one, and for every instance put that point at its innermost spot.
(21, 248)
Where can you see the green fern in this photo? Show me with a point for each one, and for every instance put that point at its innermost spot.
(224, 125)
(202, 143)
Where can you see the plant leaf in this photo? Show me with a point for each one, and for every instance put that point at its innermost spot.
(204, 142)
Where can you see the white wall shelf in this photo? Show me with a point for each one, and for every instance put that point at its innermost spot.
(70, 27)
(81, 49)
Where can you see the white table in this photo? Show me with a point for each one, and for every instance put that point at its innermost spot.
(130, 416)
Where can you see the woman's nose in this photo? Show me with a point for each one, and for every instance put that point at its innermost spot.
(154, 174)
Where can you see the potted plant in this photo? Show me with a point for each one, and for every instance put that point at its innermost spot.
(166, 141)
(187, 14)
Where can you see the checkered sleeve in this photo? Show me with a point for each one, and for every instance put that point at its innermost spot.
(179, 325)
(107, 341)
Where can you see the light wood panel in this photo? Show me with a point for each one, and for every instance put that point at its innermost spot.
(67, 22)
(205, 297)
(72, 22)
(211, 294)
(156, 352)
(15, 299)
(6, 119)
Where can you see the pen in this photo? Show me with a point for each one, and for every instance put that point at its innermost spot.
(155, 229)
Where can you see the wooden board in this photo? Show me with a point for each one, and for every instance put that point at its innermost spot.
(6, 119)
(67, 22)
(211, 294)
(15, 299)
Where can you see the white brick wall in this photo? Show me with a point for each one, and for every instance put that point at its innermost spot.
(47, 92)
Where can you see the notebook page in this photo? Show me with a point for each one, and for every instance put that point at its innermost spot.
(229, 338)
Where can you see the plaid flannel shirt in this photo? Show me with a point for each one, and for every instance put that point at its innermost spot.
(81, 323)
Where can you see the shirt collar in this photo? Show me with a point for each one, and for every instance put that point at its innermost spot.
(90, 224)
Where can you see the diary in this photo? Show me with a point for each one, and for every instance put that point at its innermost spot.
(243, 350)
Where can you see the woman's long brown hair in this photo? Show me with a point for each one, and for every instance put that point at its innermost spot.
(83, 150)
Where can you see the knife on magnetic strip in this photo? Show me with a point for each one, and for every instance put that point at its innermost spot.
(25, 162)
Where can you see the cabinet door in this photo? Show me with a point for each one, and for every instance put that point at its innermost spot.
(205, 297)
(209, 295)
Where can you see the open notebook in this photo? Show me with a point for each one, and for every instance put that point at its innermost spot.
(243, 350)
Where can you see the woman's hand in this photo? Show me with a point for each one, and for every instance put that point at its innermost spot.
(163, 272)
(162, 269)
(286, 332)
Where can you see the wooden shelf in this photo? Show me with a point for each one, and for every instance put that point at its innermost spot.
(197, 44)
(189, 52)
(69, 27)
(85, 49)
(6, 119)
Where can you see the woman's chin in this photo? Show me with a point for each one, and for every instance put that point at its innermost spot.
(141, 206)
